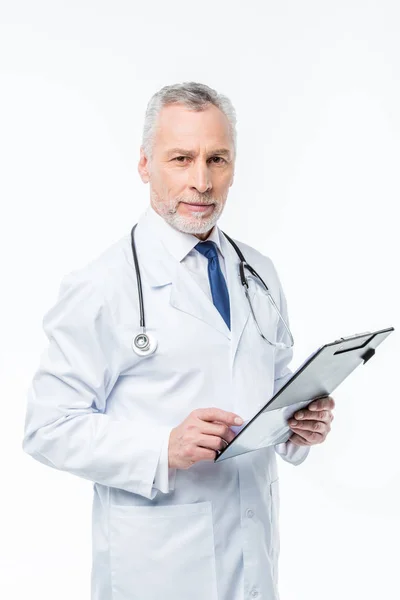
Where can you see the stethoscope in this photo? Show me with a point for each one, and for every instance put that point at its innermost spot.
(145, 343)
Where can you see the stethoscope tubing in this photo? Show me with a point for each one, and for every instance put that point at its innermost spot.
(146, 349)
(138, 278)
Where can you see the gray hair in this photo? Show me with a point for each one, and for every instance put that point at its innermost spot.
(196, 96)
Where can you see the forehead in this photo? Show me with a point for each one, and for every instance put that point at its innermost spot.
(178, 125)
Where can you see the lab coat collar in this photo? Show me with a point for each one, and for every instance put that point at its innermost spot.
(158, 243)
(159, 247)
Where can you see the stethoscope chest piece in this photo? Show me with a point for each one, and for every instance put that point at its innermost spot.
(144, 344)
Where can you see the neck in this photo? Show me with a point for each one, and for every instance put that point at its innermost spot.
(203, 236)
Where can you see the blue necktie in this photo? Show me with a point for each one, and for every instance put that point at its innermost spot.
(219, 290)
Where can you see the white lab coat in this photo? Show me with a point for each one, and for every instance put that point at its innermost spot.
(97, 410)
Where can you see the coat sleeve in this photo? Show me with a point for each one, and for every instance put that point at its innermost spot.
(165, 476)
(67, 426)
(288, 451)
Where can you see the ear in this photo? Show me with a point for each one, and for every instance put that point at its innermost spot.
(143, 166)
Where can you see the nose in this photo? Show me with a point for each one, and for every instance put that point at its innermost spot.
(200, 177)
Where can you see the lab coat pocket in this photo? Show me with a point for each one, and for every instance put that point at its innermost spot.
(162, 552)
(275, 542)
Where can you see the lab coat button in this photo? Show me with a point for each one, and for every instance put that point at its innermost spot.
(249, 513)
(254, 594)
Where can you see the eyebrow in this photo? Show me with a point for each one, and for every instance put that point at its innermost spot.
(182, 151)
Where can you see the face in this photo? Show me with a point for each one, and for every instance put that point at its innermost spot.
(191, 169)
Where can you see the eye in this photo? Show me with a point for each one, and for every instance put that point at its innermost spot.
(220, 160)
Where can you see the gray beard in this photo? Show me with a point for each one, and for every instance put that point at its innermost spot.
(194, 224)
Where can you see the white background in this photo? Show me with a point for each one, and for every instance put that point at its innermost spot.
(316, 86)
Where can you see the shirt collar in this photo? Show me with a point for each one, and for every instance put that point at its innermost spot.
(178, 243)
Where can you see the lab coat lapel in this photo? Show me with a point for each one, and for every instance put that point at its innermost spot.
(158, 268)
(187, 296)
(240, 309)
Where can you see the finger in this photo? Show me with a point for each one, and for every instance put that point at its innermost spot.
(325, 403)
(298, 440)
(217, 414)
(313, 415)
(319, 426)
(211, 442)
(219, 429)
(205, 454)
(313, 437)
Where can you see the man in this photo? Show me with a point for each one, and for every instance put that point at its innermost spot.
(169, 522)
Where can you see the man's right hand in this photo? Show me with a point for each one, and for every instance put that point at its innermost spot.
(199, 437)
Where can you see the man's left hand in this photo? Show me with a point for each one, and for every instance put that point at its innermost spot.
(312, 424)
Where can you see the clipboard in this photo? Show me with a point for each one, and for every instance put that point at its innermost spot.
(320, 374)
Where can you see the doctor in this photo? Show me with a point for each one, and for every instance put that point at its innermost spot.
(168, 522)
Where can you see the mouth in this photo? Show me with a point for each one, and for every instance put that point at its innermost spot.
(198, 207)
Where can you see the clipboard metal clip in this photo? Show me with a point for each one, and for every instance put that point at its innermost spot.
(369, 354)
